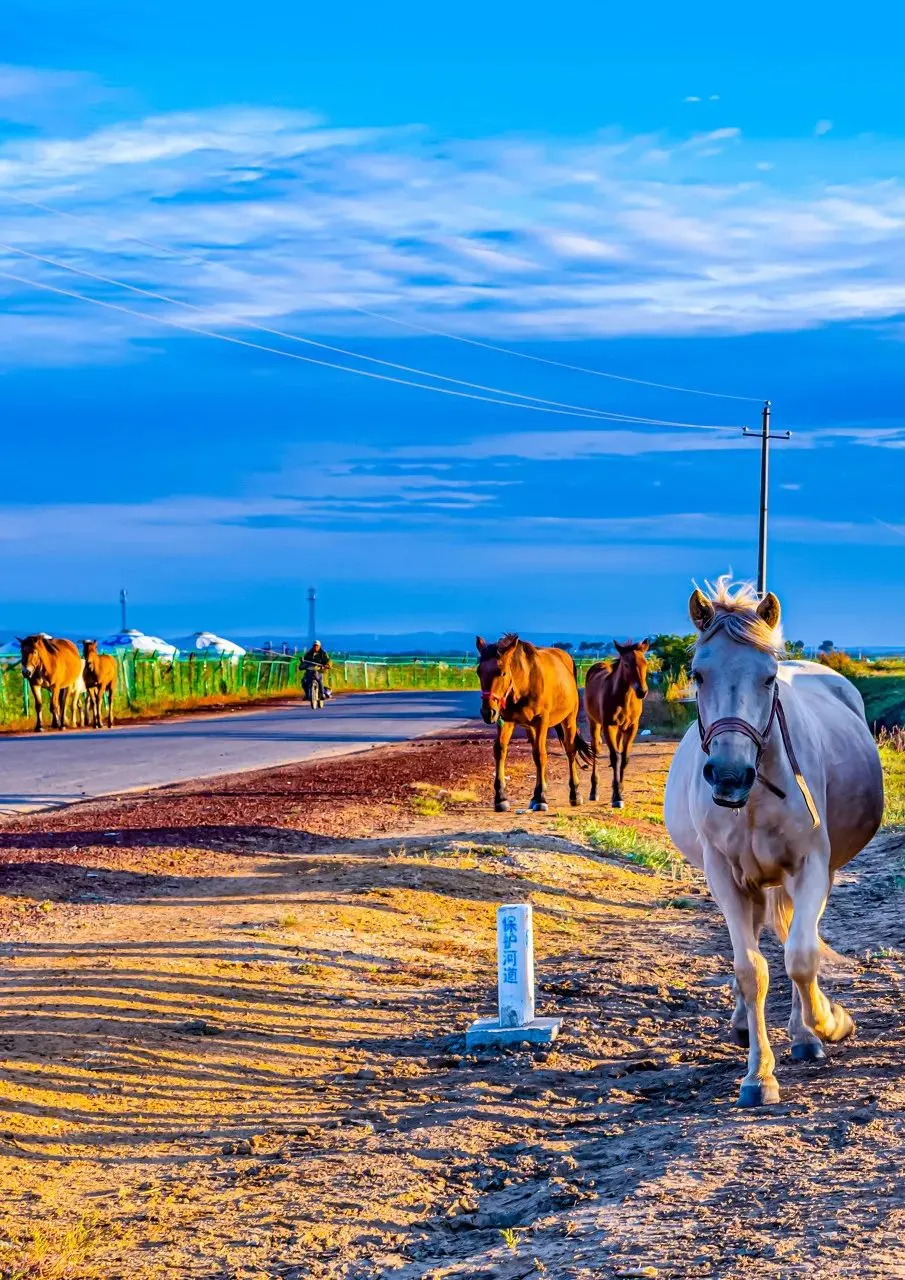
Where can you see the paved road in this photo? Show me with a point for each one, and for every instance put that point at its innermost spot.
(51, 769)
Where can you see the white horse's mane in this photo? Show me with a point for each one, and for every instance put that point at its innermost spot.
(735, 612)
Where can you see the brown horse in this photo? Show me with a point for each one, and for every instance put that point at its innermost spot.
(55, 665)
(613, 695)
(538, 689)
(100, 681)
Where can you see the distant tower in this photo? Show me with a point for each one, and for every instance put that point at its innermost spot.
(312, 615)
(122, 608)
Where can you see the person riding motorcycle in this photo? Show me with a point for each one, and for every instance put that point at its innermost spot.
(317, 661)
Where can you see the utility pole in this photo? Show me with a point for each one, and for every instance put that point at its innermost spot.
(765, 436)
(122, 608)
(312, 618)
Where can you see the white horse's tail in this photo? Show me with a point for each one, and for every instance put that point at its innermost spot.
(780, 910)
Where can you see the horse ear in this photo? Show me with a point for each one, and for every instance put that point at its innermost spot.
(701, 610)
(507, 642)
(620, 648)
(480, 644)
(644, 646)
(19, 640)
(769, 611)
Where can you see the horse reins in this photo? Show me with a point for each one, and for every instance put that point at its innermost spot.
(735, 724)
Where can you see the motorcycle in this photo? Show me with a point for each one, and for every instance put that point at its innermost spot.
(315, 690)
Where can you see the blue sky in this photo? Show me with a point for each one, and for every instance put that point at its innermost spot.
(715, 202)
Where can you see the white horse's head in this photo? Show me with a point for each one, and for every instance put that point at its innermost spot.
(736, 658)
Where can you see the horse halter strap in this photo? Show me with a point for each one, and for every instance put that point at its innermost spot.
(495, 698)
(735, 724)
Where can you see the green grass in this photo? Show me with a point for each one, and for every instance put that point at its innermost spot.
(884, 699)
(625, 842)
(428, 806)
(894, 783)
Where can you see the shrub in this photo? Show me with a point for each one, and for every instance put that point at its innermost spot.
(839, 660)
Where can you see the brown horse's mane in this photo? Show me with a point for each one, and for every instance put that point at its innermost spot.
(51, 643)
(506, 642)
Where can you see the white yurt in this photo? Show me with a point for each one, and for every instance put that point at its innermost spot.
(208, 645)
(138, 642)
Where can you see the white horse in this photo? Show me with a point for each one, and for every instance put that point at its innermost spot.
(775, 788)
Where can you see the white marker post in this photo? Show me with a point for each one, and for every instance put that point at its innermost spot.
(515, 967)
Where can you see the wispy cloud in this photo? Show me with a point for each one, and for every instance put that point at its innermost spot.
(566, 445)
(266, 215)
(822, 127)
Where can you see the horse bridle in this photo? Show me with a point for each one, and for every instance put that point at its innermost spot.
(496, 699)
(735, 724)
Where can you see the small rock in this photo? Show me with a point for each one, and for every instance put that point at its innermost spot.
(198, 1027)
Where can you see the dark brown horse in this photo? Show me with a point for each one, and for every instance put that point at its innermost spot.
(100, 681)
(613, 695)
(538, 689)
(55, 665)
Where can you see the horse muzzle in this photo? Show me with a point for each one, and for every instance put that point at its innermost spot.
(490, 715)
(730, 782)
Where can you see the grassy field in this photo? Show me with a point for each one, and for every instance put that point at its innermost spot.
(884, 699)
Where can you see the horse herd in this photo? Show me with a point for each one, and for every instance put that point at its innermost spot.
(776, 786)
(81, 685)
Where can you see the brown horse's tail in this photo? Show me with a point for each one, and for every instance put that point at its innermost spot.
(780, 910)
(583, 750)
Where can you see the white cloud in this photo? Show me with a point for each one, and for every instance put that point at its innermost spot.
(822, 127)
(692, 98)
(271, 216)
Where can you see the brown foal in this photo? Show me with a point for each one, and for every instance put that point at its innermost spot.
(613, 695)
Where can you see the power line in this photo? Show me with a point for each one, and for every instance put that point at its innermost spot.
(408, 324)
(558, 364)
(603, 414)
(289, 355)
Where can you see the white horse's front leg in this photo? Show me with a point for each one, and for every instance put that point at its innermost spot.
(814, 1017)
(743, 915)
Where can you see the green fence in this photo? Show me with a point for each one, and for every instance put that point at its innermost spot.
(146, 683)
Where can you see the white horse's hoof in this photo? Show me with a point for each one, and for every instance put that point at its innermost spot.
(502, 806)
(539, 806)
(762, 1094)
(807, 1051)
(618, 804)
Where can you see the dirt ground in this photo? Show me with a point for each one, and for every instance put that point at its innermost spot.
(231, 1044)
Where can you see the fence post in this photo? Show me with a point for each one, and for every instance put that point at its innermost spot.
(515, 1021)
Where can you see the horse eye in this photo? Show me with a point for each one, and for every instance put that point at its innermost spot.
(697, 677)
(770, 680)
